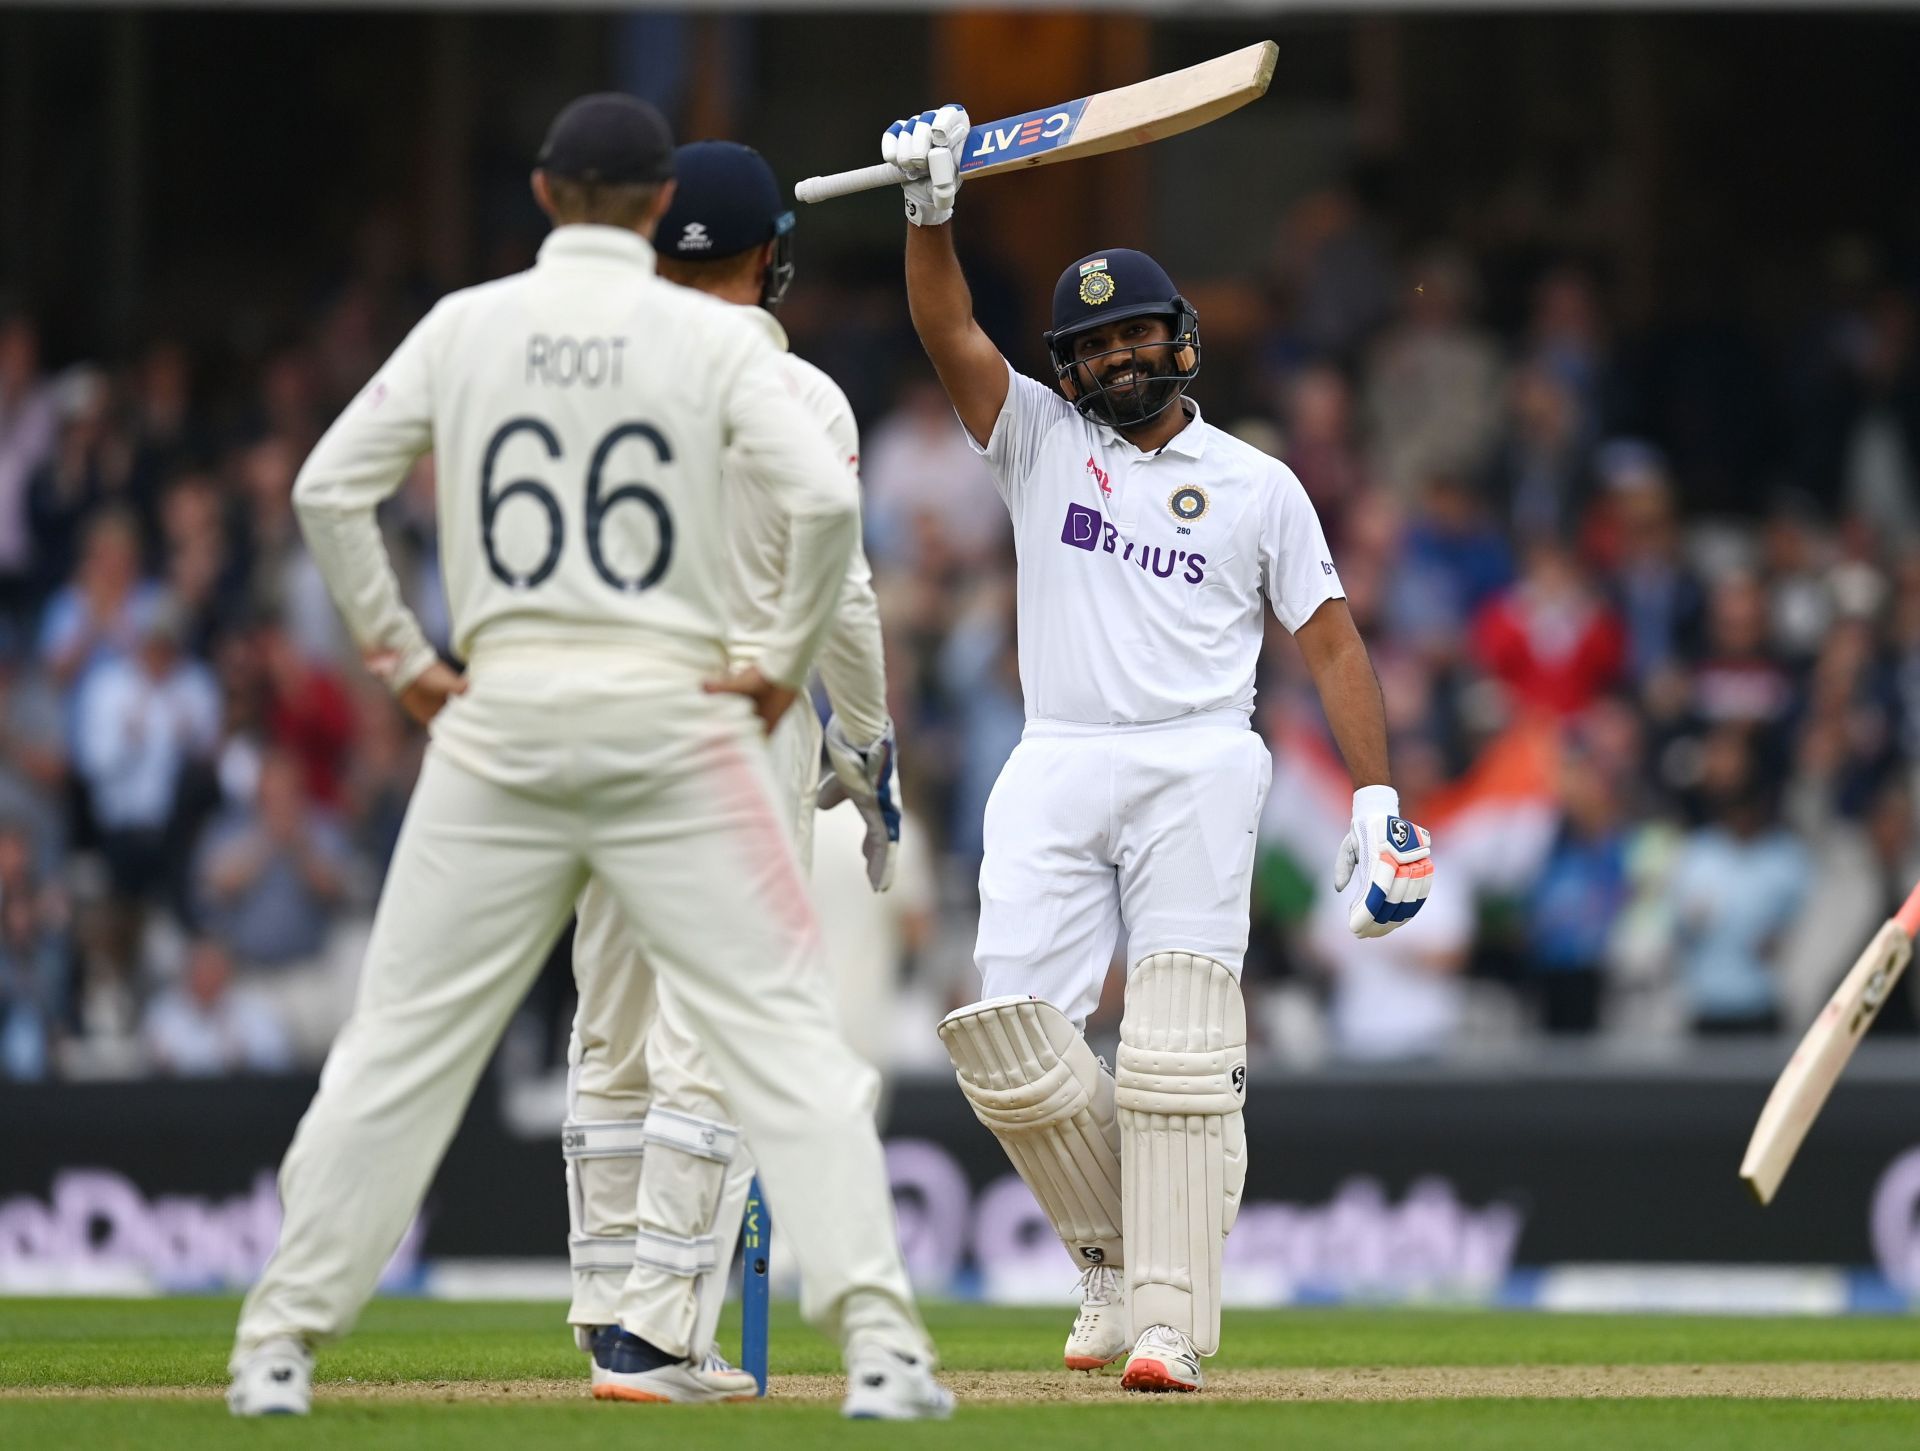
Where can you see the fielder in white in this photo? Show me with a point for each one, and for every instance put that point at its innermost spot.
(1148, 541)
(579, 414)
(657, 1169)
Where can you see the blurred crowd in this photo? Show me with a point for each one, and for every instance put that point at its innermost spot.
(1646, 609)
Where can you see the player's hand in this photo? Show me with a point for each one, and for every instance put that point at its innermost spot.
(1400, 863)
(864, 775)
(770, 698)
(430, 691)
(928, 147)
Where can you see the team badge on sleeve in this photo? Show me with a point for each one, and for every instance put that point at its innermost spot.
(1188, 503)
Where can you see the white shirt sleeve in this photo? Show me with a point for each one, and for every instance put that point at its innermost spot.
(785, 458)
(357, 464)
(1028, 415)
(1296, 566)
(852, 658)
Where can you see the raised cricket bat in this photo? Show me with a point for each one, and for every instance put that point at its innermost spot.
(1133, 115)
(1816, 1064)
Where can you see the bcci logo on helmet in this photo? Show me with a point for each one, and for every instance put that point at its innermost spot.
(1096, 284)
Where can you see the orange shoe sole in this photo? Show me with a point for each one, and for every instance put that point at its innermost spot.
(648, 1398)
(622, 1393)
(1153, 1376)
(1088, 1362)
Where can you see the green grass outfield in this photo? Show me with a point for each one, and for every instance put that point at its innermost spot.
(62, 1363)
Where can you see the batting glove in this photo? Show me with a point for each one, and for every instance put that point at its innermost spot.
(928, 148)
(1400, 861)
(864, 776)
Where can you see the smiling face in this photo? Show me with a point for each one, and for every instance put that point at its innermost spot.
(1127, 365)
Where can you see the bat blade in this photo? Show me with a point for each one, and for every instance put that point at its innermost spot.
(1802, 1088)
(1134, 115)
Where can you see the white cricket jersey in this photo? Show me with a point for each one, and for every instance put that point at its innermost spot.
(851, 660)
(1141, 575)
(579, 414)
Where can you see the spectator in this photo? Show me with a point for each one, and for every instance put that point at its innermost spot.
(1434, 383)
(96, 620)
(1453, 562)
(308, 713)
(1736, 887)
(29, 424)
(34, 959)
(271, 881)
(1741, 681)
(206, 1026)
(919, 473)
(142, 724)
(1550, 639)
(1320, 446)
(1637, 541)
(1540, 480)
(1580, 893)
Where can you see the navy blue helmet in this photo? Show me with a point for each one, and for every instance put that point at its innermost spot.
(728, 201)
(1107, 287)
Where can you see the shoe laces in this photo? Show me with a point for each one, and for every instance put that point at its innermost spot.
(1099, 1285)
(718, 1364)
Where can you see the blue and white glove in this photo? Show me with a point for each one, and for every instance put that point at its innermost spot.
(1400, 858)
(864, 776)
(928, 147)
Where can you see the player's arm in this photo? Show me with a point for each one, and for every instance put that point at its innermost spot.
(971, 368)
(1305, 592)
(787, 464)
(859, 735)
(359, 462)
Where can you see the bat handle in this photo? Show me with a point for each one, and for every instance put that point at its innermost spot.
(846, 183)
(1909, 915)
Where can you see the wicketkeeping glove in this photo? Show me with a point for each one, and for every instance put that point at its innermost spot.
(1399, 856)
(865, 776)
(928, 148)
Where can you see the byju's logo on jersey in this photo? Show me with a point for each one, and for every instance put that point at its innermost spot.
(1086, 529)
(1018, 137)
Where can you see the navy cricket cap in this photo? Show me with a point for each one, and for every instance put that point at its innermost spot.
(1102, 286)
(725, 201)
(609, 137)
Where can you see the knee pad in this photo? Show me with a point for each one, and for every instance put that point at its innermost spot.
(1036, 1085)
(679, 1190)
(1180, 1086)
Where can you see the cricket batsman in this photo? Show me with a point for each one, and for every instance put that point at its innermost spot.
(580, 413)
(657, 1169)
(1149, 545)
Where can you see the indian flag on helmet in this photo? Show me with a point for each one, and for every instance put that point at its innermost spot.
(1098, 264)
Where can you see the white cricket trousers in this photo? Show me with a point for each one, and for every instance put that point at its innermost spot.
(1092, 829)
(554, 765)
(632, 1050)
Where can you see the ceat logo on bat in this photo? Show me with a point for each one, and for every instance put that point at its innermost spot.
(1021, 136)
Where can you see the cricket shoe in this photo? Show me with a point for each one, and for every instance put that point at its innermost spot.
(1100, 1335)
(884, 1385)
(627, 1368)
(1163, 1360)
(275, 1378)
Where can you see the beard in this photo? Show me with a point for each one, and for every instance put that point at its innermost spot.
(1149, 394)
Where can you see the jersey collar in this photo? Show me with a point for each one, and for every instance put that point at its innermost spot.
(586, 242)
(768, 322)
(1189, 442)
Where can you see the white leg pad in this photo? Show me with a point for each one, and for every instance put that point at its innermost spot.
(603, 1180)
(1036, 1085)
(681, 1186)
(1179, 1088)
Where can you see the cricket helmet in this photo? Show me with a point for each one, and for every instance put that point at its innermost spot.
(728, 201)
(1111, 286)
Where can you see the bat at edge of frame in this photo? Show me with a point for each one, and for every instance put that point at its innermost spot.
(1818, 1061)
(1148, 110)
